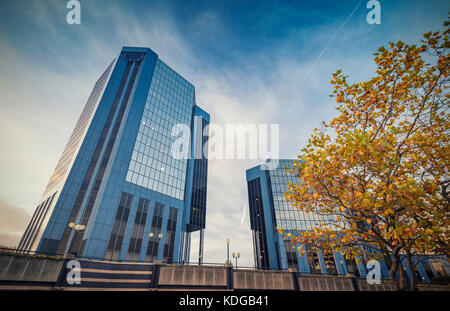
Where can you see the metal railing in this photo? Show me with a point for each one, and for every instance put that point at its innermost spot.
(14, 251)
(17, 252)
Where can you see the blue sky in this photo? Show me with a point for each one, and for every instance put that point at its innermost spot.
(250, 61)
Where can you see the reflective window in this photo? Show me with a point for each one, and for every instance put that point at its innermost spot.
(291, 254)
(119, 226)
(330, 263)
(169, 102)
(155, 233)
(352, 267)
(288, 217)
(199, 185)
(428, 270)
(170, 235)
(313, 260)
(134, 250)
(80, 128)
(438, 268)
(258, 224)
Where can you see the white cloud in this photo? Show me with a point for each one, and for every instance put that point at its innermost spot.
(12, 223)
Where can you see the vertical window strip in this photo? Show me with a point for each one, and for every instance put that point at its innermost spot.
(170, 235)
(137, 234)
(93, 162)
(27, 231)
(75, 245)
(41, 220)
(120, 223)
(258, 223)
(291, 254)
(155, 230)
(35, 224)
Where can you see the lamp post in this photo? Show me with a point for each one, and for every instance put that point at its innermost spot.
(236, 256)
(228, 251)
(77, 227)
(152, 235)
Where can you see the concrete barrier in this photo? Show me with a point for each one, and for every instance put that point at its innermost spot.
(433, 287)
(26, 268)
(325, 283)
(28, 272)
(192, 276)
(385, 285)
(271, 280)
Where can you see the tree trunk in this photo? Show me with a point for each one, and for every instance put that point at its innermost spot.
(393, 273)
(403, 277)
(412, 284)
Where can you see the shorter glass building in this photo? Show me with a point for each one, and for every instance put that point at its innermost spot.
(269, 210)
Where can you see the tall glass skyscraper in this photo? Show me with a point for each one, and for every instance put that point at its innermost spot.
(117, 192)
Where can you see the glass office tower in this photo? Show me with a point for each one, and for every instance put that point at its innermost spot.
(269, 209)
(117, 192)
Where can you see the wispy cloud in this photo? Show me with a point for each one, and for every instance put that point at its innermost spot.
(13, 222)
(331, 40)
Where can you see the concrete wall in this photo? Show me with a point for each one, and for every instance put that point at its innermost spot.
(364, 286)
(272, 280)
(27, 272)
(25, 268)
(322, 283)
(192, 276)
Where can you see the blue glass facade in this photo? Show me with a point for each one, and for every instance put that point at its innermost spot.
(195, 217)
(269, 209)
(117, 193)
(169, 102)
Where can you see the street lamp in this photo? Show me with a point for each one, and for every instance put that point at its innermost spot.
(236, 256)
(228, 251)
(76, 228)
(151, 235)
(159, 236)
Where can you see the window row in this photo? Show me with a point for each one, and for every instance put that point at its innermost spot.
(137, 237)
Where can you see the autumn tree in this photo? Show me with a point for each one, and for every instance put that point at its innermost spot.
(378, 172)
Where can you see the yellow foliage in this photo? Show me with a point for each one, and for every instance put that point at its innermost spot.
(388, 155)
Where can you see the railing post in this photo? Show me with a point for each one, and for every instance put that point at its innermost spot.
(230, 284)
(61, 282)
(355, 284)
(295, 280)
(155, 276)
